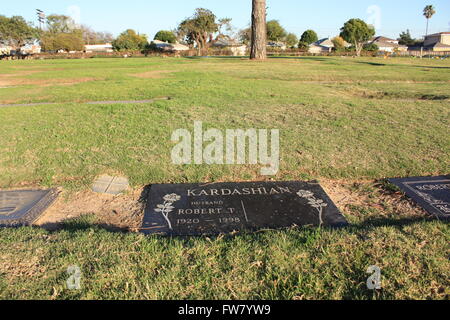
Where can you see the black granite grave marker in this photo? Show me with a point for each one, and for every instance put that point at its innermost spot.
(208, 209)
(431, 193)
(22, 208)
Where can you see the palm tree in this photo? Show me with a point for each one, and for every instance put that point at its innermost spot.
(259, 32)
(428, 12)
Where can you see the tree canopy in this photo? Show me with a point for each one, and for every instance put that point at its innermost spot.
(130, 40)
(199, 28)
(67, 41)
(165, 36)
(275, 32)
(16, 32)
(357, 32)
(291, 39)
(62, 34)
(309, 36)
(406, 39)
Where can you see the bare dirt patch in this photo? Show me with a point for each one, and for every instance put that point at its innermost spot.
(15, 79)
(155, 74)
(348, 194)
(123, 212)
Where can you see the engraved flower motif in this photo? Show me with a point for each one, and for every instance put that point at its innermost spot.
(318, 204)
(305, 194)
(171, 197)
(167, 207)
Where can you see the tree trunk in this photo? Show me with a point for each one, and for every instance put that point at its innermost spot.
(259, 30)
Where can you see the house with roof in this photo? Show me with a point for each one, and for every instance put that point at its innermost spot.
(437, 42)
(387, 45)
(324, 45)
(237, 48)
(276, 45)
(106, 47)
(172, 47)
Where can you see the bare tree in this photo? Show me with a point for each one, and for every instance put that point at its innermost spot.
(259, 30)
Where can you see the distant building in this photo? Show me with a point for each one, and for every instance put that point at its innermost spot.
(165, 46)
(237, 48)
(276, 45)
(5, 50)
(437, 42)
(107, 47)
(30, 49)
(324, 45)
(387, 45)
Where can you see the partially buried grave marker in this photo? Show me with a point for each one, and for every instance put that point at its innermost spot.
(431, 193)
(23, 207)
(208, 209)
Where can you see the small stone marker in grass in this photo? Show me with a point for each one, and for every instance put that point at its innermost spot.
(24, 207)
(110, 185)
(431, 193)
(209, 209)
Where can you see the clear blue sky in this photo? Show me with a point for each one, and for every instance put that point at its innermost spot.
(325, 16)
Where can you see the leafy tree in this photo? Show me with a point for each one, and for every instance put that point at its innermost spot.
(199, 28)
(16, 32)
(303, 45)
(60, 24)
(130, 40)
(339, 43)
(406, 39)
(309, 36)
(224, 23)
(275, 32)
(165, 36)
(428, 13)
(371, 47)
(67, 41)
(291, 40)
(357, 32)
(62, 34)
(245, 35)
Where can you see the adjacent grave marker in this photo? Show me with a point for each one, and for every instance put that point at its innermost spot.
(22, 208)
(431, 193)
(110, 185)
(208, 209)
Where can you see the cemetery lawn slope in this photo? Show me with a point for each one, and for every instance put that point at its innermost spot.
(349, 123)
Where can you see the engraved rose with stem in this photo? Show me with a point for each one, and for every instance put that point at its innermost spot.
(313, 202)
(167, 207)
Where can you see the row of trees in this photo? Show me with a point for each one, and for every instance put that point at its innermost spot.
(201, 29)
(61, 33)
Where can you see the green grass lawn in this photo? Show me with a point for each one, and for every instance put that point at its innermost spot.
(344, 121)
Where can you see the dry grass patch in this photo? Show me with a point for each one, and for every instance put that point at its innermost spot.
(154, 74)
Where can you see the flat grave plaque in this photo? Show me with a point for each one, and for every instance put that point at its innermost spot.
(23, 207)
(431, 193)
(220, 208)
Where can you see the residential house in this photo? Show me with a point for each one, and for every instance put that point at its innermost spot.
(106, 47)
(30, 49)
(276, 45)
(437, 42)
(165, 46)
(387, 45)
(324, 45)
(237, 48)
(5, 50)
